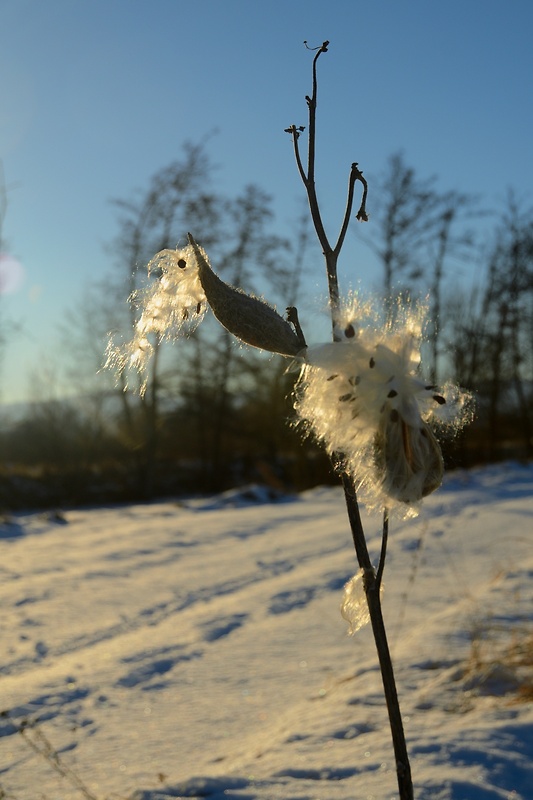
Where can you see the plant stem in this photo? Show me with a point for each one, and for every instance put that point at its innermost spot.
(371, 583)
(403, 768)
(371, 578)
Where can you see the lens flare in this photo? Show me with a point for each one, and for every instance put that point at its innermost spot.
(11, 274)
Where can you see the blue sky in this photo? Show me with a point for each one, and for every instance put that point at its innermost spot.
(96, 95)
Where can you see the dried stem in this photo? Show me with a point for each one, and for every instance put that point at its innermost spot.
(355, 175)
(371, 578)
(35, 738)
(331, 254)
(372, 585)
(384, 542)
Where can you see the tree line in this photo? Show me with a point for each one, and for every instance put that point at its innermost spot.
(210, 419)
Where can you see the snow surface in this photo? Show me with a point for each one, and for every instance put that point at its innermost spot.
(197, 650)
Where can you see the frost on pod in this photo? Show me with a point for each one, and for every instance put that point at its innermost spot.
(364, 397)
(173, 299)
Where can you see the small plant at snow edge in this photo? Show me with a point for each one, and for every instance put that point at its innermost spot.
(362, 395)
(34, 737)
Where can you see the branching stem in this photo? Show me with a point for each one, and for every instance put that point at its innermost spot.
(331, 254)
(371, 579)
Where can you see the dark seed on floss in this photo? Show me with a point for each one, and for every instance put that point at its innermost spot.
(182, 263)
(198, 308)
(392, 393)
(372, 363)
(439, 399)
(332, 377)
(349, 332)
(344, 397)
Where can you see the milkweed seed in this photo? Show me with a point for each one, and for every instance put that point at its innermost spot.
(182, 263)
(349, 332)
(392, 393)
(372, 363)
(439, 399)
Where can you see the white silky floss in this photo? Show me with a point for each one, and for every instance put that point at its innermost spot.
(363, 397)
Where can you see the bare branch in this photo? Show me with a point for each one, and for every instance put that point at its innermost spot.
(355, 174)
(384, 541)
(308, 179)
(311, 102)
(295, 133)
(362, 215)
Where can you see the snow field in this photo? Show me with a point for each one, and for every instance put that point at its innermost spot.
(197, 649)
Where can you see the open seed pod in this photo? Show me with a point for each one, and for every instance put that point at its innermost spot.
(408, 457)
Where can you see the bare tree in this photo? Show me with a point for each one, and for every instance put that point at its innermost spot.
(3, 210)
(155, 221)
(217, 375)
(415, 232)
(491, 333)
(407, 214)
(204, 380)
(446, 244)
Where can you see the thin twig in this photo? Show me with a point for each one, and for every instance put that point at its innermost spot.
(384, 541)
(308, 177)
(355, 175)
(311, 102)
(295, 133)
(39, 743)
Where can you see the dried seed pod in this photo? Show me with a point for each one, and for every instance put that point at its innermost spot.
(408, 458)
(249, 319)
(379, 412)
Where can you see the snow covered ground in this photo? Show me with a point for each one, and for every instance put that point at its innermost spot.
(197, 650)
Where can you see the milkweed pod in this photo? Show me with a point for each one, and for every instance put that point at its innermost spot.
(408, 457)
(249, 319)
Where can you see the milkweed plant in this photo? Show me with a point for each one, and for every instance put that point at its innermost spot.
(363, 395)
